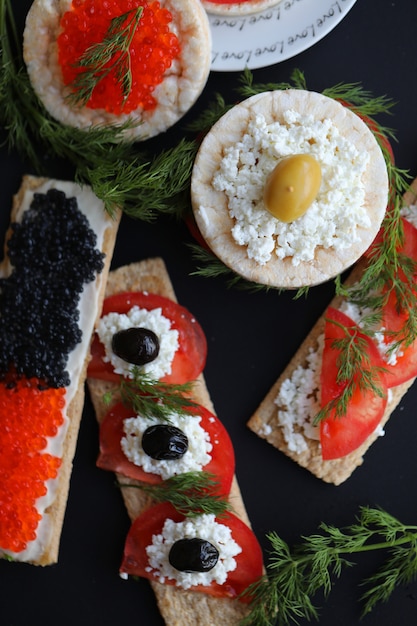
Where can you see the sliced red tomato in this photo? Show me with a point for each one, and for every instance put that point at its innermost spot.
(151, 522)
(393, 318)
(112, 457)
(405, 366)
(190, 358)
(195, 231)
(341, 435)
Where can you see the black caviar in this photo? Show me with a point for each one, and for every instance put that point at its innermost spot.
(53, 253)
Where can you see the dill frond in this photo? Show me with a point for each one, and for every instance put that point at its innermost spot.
(154, 399)
(113, 53)
(295, 576)
(191, 493)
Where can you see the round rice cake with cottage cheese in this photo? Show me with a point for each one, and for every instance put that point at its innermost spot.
(232, 167)
(181, 85)
(236, 9)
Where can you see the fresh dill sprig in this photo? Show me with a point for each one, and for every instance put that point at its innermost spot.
(146, 187)
(355, 371)
(295, 576)
(210, 266)
(190, 493)
(248, 88)
(154, 399)
(207, 118)
(101, 58)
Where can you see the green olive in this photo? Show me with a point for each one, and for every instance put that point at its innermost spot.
(292, 186)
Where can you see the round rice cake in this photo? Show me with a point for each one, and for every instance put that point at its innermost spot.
(182, 84)
(236, 9)
(211, 205)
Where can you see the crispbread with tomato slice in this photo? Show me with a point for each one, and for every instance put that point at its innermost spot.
(264, 421)
(176, 605)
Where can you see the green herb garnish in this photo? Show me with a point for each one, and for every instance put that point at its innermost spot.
(295, 576)
(190, 493)
(354, 372)
(113, 53)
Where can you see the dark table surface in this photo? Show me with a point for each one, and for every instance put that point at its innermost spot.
(251, 337)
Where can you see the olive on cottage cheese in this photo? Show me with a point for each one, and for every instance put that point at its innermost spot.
(193, 555)
(140, 323)
(203, 563)
(136, 345)
(164, 442)
(342, 205)
(167, 448)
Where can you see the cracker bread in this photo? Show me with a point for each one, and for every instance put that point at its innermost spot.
(179, 90)
(263, 422)
(54, 514)
(177, 607)
(238, 9)
(210, 206)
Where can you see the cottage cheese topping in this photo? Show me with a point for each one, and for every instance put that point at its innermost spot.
(203, 527)
(387, 349)
(137, 317)
(410, 214)
(334, 217)
(298, 401)
(196, 457)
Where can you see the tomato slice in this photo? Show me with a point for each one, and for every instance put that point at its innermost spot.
(341, 435)
(249, 561)
(112, 457)
(393, 318)
(190, 358)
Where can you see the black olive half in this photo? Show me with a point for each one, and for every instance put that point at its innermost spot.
(164, 442)
(193, 555)
(136, 345)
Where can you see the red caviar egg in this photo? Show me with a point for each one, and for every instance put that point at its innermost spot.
(28, 416)
(151, 53)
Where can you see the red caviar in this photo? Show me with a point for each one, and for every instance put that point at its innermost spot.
(152, 50)
(28, 416)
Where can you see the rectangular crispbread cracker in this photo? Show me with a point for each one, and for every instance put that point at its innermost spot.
(56, 511)
(176, 606)
(264, 423)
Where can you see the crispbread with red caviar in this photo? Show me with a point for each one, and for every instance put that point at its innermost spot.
(216, 219)
(177, 607)
(264, 421)
(46, 545)
(181, 86)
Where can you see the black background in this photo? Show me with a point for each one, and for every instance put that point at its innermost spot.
(251, 337)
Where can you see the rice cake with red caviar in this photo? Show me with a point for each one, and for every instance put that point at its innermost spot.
(236, 9)
(181, 86)
(289, 120)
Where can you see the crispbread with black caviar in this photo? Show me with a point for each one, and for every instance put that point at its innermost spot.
(45, 548)
(265, 424)
(177, 607)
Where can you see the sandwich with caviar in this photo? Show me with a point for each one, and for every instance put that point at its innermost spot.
(52, 280)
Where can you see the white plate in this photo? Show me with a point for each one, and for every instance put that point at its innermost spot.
(274, 35)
